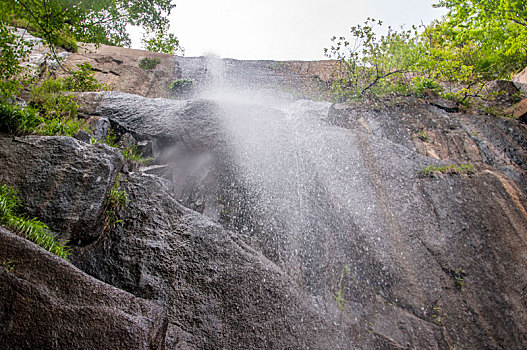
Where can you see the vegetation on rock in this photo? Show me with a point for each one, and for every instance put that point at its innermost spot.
(149, 63)
(60, 23)
(116, 199)
(52, 110)
(91, 21)
(477, 41)
(452, 168)
(31, 229)
(180, 85)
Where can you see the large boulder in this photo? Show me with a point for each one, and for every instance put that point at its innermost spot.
(193, 123)
(220, 293)
(47, 303)
(62, 181)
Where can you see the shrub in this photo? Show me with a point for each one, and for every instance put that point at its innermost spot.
(149, 63)
(110, 139)
(57, 110)
(422, 84)
(14, 118)
(83, 80)
(32, 229)
(371, 63)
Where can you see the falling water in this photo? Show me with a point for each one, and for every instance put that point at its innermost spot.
(294, 187)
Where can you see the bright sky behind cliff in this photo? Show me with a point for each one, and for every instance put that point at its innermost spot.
(283, 29)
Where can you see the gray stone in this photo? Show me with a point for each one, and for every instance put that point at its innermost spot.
(99, 126)
(62, 181)
(190, 123)
(47, 303)
(520, 80)
(219, 291)
(403, 237)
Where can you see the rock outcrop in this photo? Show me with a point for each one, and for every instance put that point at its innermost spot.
(520, 80)
(46, 303)
(282, 223)
(62, 181)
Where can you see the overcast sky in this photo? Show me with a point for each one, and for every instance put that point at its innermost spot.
(282, 29)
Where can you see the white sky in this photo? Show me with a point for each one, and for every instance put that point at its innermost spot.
(282, 29)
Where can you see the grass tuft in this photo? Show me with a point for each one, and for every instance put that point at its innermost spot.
(32, 229)
(451, 169)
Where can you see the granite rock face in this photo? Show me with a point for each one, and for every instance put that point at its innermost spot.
(62, 181)
(47, 303)
(383, 257)
(219, 291)
(272, 222)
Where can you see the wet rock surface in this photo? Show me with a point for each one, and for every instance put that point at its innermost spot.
(272, 222)
(220, 292)
(47, 303)
(62, 181)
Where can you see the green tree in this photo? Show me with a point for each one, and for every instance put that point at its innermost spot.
(61, 22)
(91, 21)
(495, 32)
(477, 41)
(373, 63)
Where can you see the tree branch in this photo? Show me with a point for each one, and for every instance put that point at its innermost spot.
(378, 78)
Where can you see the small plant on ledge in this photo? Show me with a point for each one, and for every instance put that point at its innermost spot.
(32, 229)
(133, 155)
(423, 136)
(116, 199)
(180, 85)
(430, 170)
(149, 63)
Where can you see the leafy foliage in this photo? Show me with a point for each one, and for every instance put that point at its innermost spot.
(32, 229)
(52, 109)
(477, 41)
(93, 21)
(149, 63)
(497, 27)
(57, 110)
(372, 62)
(63, 22)
(83, 80)
(110, 139)
(163, 43)
(133, 155)
(13, 50)
(15, 118)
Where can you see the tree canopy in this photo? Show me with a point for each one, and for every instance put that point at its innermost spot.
(90, 21)
(64, 22)
(496, 30)
(476, 41)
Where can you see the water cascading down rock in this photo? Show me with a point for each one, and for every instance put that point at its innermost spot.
(273, 222)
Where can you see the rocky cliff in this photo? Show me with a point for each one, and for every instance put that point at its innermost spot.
(270, 221)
